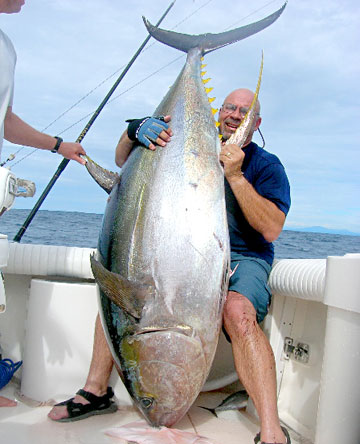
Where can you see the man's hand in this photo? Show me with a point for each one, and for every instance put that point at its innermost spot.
(232, 157)
(150, 131)
(72, 151)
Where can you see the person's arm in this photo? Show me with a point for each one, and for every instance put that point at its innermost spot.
(123, 149)
(125, 144)
(262, 214)
(19, 132)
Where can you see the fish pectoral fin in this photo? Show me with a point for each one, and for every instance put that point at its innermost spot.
(105, 178)
(125, 294)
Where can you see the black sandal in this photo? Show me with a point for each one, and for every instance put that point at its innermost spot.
(286, 433)
(99, 405)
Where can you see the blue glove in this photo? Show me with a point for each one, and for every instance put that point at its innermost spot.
(146, 130)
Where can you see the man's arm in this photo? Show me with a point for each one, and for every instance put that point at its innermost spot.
(19, 132)
(262, 214)
(123, 149)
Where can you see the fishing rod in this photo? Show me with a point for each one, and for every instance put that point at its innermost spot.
(83, 133)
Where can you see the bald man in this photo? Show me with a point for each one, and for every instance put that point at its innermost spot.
(257, 199)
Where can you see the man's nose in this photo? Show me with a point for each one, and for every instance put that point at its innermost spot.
(237, 114)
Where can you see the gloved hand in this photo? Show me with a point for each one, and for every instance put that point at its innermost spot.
(146, 130)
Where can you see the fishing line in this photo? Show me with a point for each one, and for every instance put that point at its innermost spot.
(262, 137)
(131, 87)
(98, 86)
(110, 101)
(249, 15)
(83, 133)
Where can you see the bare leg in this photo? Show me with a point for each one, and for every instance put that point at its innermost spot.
(99, 372)
(5, 402)
(254, 362)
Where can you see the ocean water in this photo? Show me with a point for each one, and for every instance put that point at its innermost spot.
(82, 229)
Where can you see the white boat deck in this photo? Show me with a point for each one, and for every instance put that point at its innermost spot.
(315, 305)
(29, 425)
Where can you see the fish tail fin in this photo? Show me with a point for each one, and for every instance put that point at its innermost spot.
(210, 410)
(209, 42)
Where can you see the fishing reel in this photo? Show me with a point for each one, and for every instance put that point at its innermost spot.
(11, 187)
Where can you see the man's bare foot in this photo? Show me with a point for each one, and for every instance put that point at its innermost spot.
(6, 402)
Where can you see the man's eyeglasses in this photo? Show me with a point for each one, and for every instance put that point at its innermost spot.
(229, 108)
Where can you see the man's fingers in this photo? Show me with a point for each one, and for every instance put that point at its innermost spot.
(79, 159)
(165, 136)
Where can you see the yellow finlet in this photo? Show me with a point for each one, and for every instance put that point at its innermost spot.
(220, 136)
(207, 90)
(217, 124)
(202, 66)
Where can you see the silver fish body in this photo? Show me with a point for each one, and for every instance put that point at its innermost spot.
(168, 236)
(163, 264)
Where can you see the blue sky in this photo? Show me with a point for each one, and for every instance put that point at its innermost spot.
(309, 94)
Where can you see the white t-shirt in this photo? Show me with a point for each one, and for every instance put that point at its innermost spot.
(7, 71)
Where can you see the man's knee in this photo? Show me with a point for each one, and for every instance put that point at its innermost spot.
(239, 315)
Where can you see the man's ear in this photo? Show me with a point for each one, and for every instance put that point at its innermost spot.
(258, 122)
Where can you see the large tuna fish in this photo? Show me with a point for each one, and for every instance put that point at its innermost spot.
(163, 262)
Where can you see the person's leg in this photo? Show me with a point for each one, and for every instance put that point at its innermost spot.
(254, 362)
(99, 373)
(101, 363)
(6, 402)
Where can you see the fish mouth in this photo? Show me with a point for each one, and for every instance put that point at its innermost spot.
(182, 329)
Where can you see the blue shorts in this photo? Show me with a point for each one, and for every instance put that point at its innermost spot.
(251, 280)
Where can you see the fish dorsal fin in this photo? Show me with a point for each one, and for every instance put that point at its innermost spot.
(125, 294)
(209, 42)
(240, 135)
(105, 178)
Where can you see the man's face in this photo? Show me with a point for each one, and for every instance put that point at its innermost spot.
(11, 6)
(233, 111)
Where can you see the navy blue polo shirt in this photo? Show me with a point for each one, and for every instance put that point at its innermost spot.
(267, 175)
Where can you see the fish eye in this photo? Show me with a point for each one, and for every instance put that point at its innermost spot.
(146, 403)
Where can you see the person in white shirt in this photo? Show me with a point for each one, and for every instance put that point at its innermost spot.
(12, 127)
